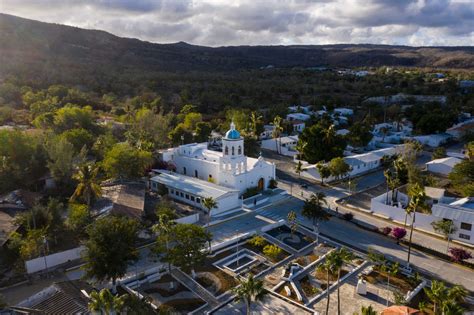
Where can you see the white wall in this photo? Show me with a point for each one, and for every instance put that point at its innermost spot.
(53, 260)
(439, 168)
(193, 218)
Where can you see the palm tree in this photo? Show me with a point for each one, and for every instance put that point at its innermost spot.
(164, 228)
(330, 135)
(300, 147)
(276, 133)
(343, 256)
(255, 120)
(391, 271)
(291, 218)
(298, 170)
(249, 290)
(104, 301)
(417, 199)
(314, 211)
(437, 293)
(209, 203)
(329, 266)
(369, 310)
(88, 185)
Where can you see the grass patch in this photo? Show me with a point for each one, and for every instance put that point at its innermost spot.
(308, 289)
(259, 250)
(402, 282)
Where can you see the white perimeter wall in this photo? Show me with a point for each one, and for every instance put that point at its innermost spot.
(53, 260)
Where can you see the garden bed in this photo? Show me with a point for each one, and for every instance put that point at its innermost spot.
(281, 290)
(259, 250)
(306, 259)
(167, 292)
(183, 305)
(400, 281)
(294, 239)
(308, 289)
(227, 281)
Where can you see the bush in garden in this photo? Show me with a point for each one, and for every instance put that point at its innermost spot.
(386, 230)
(272, 251)
(348, 216)
(459, 254)
(399, 233)
(257, 241)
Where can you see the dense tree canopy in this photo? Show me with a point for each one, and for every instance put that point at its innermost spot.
(321, 144)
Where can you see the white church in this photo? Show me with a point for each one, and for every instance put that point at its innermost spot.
(202, 173)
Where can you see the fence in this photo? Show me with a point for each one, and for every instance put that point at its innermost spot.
(53, 260)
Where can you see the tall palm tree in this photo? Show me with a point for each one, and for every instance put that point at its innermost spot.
(291, 218)
(329, 266)
(209, 203)
(391, 271)
(88, 186)
(330, 135)
(255, 120)
(164, 228)
(343, 256)
(417, 199)
(298, 170)
(277, 130)
(249, 290)
(314, 211)
(437, 293)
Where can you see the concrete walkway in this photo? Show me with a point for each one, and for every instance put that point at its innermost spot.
(195, 287)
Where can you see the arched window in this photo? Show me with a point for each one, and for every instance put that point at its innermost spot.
(226, 150)
(233, 151)
(240, 150)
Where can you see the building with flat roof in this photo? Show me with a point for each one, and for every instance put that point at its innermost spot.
(442, 166)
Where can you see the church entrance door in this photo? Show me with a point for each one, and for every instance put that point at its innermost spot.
(261, 184)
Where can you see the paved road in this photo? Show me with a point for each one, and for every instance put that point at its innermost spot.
(350, 234)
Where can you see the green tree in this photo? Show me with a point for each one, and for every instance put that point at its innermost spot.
(189, 241)
(276, 133)
(329, 266)
(291, 218)
(445, 227)
(70, 117)
(343, 256)
(61, 160)
(164, 228)
(209, 203)
(437, 293)
(272, 251)
(324, 171)
(105, 302)
(78, 218)
(368, 310)
(314, 211)
(202, 131)
(359, 134)
(79, 138)
(299, 169)
(256, 124)
(439, 153)
(180, 135)
(110, 248)
(249, 290)
(338, 167)
(88, 185)
(417, 200)
(462, 177)
(322, 144)
(124, 161)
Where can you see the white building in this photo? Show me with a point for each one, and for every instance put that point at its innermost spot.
(267, 132)
(284, 145)
(359, 163)
(442, 166)
(297, 108)
(461, 129)
(344, 111)
(229, 169)
(434, 140)
(192, 191)
(460, 212)
(298, 125)
(298, 116)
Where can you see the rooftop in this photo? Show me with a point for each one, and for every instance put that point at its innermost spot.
(127, 199)
(451, 161)
(192, 185)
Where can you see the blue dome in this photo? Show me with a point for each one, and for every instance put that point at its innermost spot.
(232, 134)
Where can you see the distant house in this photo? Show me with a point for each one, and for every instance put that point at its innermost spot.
(433, 140)
(287, 145)
(344, 111)
(67, 297)
(300, 108)
(342, 132)
(267, 132)
(442, 166)
(127, 199)
(298, 116)
(460, 130)
(298, 125)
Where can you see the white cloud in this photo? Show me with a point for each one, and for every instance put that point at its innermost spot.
(238, 22)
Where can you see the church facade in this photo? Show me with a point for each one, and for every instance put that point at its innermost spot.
(229, 169)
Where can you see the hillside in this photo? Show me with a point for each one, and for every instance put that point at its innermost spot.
(43, 49)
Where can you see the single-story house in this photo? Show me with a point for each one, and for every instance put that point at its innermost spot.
(434, 140)
(442, 166)
(267, 132)
(126, 199)
(298, 125)
(344, 111)
(285, 144)
(298, 116)
(192, 191)
(460, 130)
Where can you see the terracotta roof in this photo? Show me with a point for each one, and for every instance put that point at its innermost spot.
(400, 310)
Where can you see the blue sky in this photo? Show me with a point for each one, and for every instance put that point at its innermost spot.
(263, 22)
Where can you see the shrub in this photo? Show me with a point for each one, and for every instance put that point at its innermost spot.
(272, 251)
(399, 233)
(257, 241)
(348, 216)
(386, 230)
(459, 254)
(273, 184)
(252, 191)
